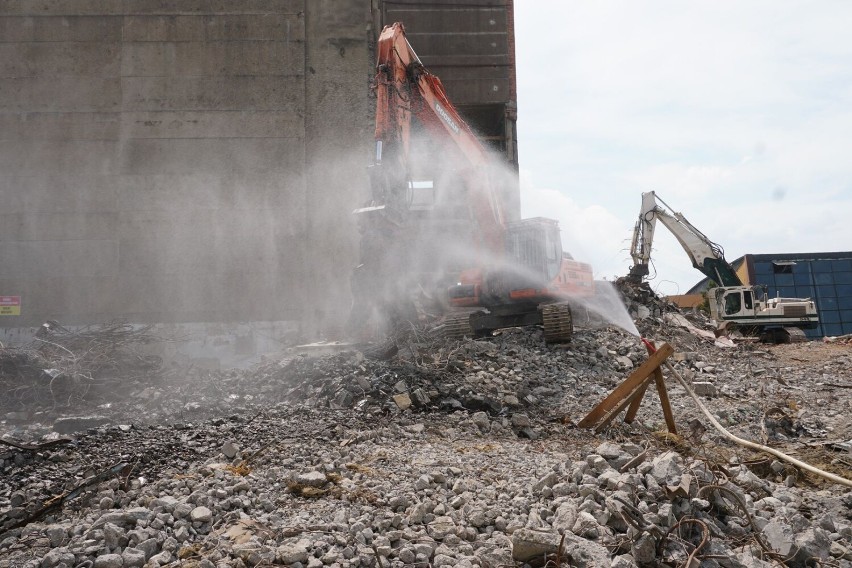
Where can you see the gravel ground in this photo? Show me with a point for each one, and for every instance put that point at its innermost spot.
(431, 453)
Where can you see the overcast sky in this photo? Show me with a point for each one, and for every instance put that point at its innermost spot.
(738, 114)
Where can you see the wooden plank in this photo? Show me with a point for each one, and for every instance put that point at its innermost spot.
(664, 400)
(634, 406)
(661, 390)
(634, 397)
(623, 390)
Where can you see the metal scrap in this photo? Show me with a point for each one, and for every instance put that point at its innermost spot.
(121, 470)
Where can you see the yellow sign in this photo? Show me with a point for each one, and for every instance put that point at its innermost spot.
(10, 305)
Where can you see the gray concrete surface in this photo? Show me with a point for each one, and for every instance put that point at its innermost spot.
(181, 161)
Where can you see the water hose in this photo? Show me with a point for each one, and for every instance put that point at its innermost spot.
(755, 446)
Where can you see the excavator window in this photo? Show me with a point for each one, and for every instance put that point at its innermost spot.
(733, 303)
(552, 249)
(747, 300)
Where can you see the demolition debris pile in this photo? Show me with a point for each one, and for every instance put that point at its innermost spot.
(440, 453)
(62, 368)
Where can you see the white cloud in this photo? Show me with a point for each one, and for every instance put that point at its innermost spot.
(737, 114)
(591, 234)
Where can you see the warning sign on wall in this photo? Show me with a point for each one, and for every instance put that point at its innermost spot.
(10, 305)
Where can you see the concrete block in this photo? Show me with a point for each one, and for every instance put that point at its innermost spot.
(496, 91)
(180, 59)
(53, 59)
(34, 226)
(227, 295)
(73, 300)
(59, 7)
(189, 192)
(78, 156)
(60, 94)
(156, 7)
(60, 126)
(33, 260)
(286, 27)
(154, 28)
(704, 388)
(212, 93)
(213, 124)
(448, 21)
(14, 29)
(172, 247)
(213, 27)
(485, 44)
(54, 191)
(215, 155)
(213, 7)
(72, 29)
(403, 401)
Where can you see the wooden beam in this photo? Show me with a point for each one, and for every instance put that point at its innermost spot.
(664, 401)
(634, 397)
(634, 406)
(625, 389)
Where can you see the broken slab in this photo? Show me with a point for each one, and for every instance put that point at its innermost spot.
(529, 544)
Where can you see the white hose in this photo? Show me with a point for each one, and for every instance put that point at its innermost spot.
(753, 445)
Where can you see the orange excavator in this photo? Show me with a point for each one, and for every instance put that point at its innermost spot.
(435, 226)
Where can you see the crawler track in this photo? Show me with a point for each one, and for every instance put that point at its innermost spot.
(558, 322)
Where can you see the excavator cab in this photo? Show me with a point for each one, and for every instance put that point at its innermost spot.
(534, 247)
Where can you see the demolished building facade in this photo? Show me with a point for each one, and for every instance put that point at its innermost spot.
(198, 163)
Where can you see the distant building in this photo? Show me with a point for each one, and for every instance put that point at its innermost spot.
(824, 276)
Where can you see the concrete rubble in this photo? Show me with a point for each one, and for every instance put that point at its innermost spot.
(457, 453)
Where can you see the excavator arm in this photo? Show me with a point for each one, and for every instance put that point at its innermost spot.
(405, 90)
(705, 255)
(403, 241)
(512, 273)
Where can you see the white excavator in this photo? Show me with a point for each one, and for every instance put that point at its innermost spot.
(732, 303)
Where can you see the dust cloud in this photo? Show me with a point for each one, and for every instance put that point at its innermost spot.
(439, 220)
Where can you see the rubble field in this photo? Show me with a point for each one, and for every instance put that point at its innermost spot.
(423, 452)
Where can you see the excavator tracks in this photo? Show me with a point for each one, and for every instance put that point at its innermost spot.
(457, 326)
(558, 323)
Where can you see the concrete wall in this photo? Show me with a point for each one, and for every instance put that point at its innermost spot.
(181, 160)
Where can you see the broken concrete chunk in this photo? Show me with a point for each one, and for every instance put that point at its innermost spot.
(566, 516)
(292, 553)
(521, 421)
(312, 479)
(667, 469)
(403, 401)
(481, 421)
(528, 544)
(420, 397)
(441, 527)
(230, 449)
(548, 480)
(644, 550)
(705, 388)
(201, 515)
